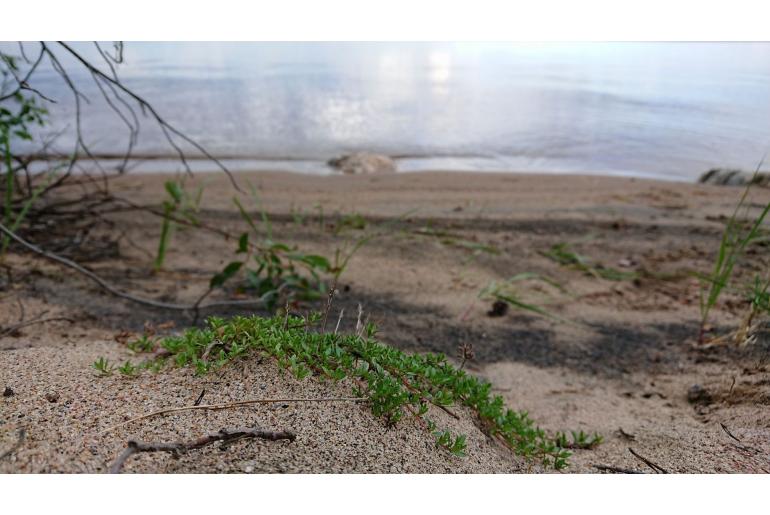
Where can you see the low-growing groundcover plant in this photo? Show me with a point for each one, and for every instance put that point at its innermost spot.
(395, 383)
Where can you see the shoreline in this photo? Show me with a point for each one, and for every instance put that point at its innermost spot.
(151, 164)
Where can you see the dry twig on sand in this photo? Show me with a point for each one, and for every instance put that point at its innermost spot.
(738, 445)
(228, 405)
(118, 293)
(176, 448)
(615, 470)
(657, 468)
(37, 320)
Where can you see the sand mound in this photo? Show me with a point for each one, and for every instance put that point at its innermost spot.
(64, 435)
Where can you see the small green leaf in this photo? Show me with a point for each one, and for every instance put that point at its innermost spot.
(312, 260)
(174, 191)
(243, 243)
(230, 270)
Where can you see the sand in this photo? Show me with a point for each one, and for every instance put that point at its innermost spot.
(623, 370)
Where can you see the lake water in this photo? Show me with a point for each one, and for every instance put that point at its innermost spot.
(665, 110)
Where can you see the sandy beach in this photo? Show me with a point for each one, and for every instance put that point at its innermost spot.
(622, 366)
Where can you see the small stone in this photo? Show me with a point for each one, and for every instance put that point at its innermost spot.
(734, 177)
(8, 392)
(249, 469)
(499, 308)
(698, 395)
(364, 163)
(52, 397)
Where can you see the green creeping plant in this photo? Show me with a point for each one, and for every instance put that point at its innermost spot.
(395, 384)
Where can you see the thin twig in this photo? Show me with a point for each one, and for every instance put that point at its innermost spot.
(739, 445)
(657, 468)
(124, 295)
(339, 320)
(166, 127)
(228, 405)
(328, 307)
(176, 448)
(22, 82)
(14, 328)
(198, 224)
(359, 324)
(724, 428)
(624, 434)
(616, 470)
(200, 398)
(215, 343)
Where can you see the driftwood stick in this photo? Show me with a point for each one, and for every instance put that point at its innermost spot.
(615, 470)
(658, 469)
(228, 405)
(177, 448)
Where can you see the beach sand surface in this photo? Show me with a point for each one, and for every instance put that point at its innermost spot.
(620, 362)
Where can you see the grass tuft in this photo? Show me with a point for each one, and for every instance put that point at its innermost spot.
(103, 367)
(507, 293)
(580, 440)
(563, 254)
(736, 238)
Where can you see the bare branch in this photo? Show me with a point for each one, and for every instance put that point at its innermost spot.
(166, 127)
(133, 130)
(657, 468)
(177, 448)
(230, 405)
(36, 320)
(22, 83)
(124, 295)
(615, 470)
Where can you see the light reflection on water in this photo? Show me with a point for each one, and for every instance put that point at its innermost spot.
(668, 110)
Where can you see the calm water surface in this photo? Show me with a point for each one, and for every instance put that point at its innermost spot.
(669, 110)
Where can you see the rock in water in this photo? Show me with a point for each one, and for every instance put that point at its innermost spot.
(732, 177)
(363, 163)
